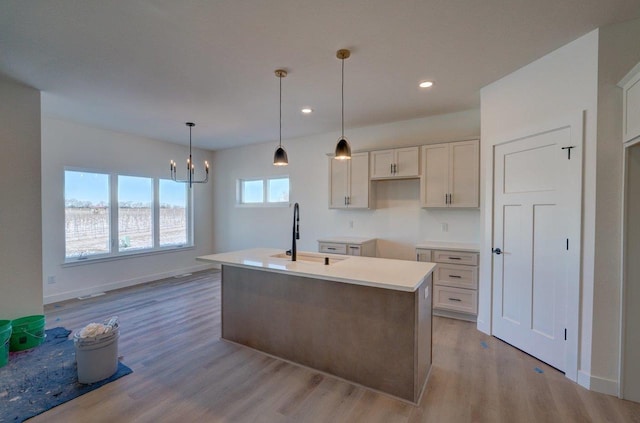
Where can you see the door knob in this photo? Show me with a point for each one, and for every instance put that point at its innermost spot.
(497, 251)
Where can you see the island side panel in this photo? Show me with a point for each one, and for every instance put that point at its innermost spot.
(423, 335)
(362, 334)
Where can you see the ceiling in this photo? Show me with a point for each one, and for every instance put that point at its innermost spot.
(147, 66)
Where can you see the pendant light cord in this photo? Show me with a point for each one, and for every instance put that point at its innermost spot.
(280, 144)
(343, 97)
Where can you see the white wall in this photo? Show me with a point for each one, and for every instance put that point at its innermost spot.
(559, 84)
(618, 52)
(20, 229)
(397, 219)
(579, 76)
(69, 144)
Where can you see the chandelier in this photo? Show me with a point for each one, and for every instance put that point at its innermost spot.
(191, 170)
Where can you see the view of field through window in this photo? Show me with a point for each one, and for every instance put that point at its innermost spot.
(88, 214)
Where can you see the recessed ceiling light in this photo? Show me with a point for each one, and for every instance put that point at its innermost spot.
(426, 84)
(307, 110)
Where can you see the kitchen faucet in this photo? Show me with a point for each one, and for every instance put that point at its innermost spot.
(296, 230)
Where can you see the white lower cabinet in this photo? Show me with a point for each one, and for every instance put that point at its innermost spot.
(455, 282)
(350, 246)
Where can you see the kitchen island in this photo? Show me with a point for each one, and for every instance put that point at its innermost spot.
(363, 319)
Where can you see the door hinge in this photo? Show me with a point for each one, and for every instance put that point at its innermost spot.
(569, 151)
(567, 244)
(565, 334)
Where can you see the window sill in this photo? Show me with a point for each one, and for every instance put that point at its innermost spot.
(129, 255)
(262, 205)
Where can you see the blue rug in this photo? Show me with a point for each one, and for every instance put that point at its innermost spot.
(37, 380)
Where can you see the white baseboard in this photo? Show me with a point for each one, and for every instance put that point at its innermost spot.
(598, 384)
(123, 284)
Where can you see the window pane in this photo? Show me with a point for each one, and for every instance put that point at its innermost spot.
(135, 213)
(173, 213)
(278, 190)
(86, 213)
(252, 191)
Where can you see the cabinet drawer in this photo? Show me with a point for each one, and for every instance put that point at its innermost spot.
(456, 276)
(455, 299)
(455, 257)
(354, 250)
(333, 248)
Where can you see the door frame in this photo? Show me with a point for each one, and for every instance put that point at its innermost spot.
(575, 122)
(623, 272)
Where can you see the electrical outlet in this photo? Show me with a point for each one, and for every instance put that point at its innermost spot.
(51, 280)
(426, 292)
(445, 227)
(351, 224)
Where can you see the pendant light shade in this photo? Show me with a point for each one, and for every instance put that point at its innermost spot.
(280, 156)
(343, 149)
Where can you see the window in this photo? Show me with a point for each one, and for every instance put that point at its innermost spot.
(265, 191)
(278, 190)
(173, 213)
(151, 215)
(86, 214)
(253, 191)
(135, 213)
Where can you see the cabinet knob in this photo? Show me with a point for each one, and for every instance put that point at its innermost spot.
(496, 251)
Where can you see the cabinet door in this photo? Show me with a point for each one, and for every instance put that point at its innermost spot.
(423, 255)
(407, 162)
(382, 163)
(358, 194)
(338, 183)
(464, 174)
(435, 176)
(631, 107)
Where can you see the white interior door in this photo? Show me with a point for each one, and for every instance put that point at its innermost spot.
(535, 213)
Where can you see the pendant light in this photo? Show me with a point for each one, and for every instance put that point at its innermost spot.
(343, 149)
(280, 156)
(190, 178)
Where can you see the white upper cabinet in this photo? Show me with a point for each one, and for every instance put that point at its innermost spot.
(630, 85)
(349, 182)
(451, 175)
(395, 163)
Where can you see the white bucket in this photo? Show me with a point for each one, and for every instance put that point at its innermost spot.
(97, 357)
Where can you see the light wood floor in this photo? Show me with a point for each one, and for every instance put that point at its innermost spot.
(183, 373)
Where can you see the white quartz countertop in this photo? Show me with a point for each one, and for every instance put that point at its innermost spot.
(346, 239)
(442, 245)
(400, 275)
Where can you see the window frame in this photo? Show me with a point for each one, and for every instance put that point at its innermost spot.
(265, 192)
(114, 249)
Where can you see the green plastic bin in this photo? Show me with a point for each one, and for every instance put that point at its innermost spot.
(28, 332)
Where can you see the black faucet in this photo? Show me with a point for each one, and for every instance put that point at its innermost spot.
(296, 230)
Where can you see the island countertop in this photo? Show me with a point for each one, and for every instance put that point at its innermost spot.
(400, 275)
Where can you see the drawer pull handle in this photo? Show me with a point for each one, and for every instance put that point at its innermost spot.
(455, 276)
(455, 258)
(455, 299)
(354, 247)
(330, 248)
